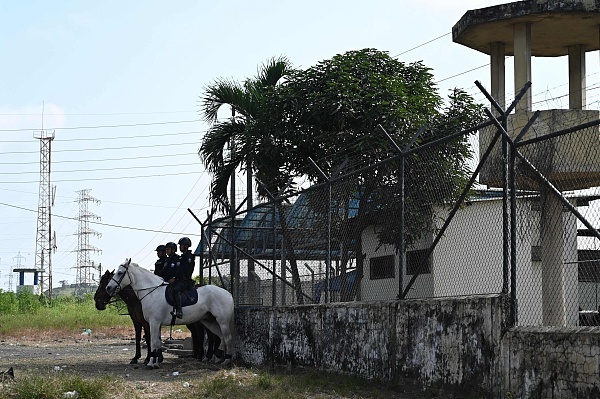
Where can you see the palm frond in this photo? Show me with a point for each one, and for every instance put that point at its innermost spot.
(271, 72)
(222, 92)
(216, 139)
(220, 183)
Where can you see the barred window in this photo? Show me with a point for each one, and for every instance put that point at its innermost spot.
(382, 267)
(417, 262)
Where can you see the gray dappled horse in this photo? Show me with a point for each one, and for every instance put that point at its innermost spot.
(134, 308)
(214, 307)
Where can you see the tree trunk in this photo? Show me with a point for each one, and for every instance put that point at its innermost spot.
(290, 255)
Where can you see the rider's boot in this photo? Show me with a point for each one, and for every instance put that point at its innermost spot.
(178, 312)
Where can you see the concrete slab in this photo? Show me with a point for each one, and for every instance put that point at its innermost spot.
(555, 25)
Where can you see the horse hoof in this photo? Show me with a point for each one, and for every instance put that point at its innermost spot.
(225, 362)
(206, 359)
(149, 367)
(133, 361)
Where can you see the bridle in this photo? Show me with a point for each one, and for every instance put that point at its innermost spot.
(152, 289)
(120, 279)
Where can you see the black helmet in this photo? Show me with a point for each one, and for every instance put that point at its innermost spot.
(171, 245)
(185, 241)
(161, 248)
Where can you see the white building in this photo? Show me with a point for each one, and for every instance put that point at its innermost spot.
(468, 260)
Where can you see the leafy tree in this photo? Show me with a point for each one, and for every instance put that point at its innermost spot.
(331, 112)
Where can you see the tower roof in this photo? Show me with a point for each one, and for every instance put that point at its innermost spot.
(556, 24)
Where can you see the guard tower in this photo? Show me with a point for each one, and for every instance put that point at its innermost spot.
(21, 286)
(543, 28)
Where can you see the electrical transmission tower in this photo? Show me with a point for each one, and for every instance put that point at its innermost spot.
(85, 266)
(45, 243)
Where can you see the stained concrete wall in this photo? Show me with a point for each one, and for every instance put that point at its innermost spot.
(459, 342)
(552, 362)
(438, 341)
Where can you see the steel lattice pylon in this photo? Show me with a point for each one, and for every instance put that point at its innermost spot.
(44, 242)
(85, 266)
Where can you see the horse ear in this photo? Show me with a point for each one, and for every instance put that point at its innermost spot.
(113, 272)
(128, 261)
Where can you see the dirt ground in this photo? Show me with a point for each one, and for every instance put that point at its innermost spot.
(109, 352)
(100, 354)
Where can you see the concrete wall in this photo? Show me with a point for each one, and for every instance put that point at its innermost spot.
(459, 342)
(449, 341)
(551, 362)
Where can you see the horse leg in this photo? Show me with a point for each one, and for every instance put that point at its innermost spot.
(147, 336)
(155, 346)
(213, 345)
(138, 338)
(217, 329)
(227, 334)
(197, 331)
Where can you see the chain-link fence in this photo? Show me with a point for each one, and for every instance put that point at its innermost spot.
(428, 222)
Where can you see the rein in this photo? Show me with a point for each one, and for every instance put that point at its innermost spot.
(149, 288)
(154, 288)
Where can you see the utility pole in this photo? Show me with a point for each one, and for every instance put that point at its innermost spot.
(44, 245)
(84, 264)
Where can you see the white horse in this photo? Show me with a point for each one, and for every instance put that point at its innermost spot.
(214, 308)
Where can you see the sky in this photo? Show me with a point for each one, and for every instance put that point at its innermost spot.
(118, 84)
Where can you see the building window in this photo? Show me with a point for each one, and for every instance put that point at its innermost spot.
(382, 267)
(417, 262)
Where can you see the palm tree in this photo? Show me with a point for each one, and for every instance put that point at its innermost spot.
(232, 134)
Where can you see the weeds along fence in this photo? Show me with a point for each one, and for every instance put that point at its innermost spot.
(428, 222)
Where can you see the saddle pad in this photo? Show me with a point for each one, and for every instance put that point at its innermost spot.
(188, 297)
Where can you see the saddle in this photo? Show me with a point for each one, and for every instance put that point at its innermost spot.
(188, 297)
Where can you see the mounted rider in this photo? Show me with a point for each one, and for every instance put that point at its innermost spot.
(187, 259)
(178, 271)
(171, 274)
(162, 258)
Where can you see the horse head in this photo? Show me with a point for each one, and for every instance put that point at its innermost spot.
(101, 297)
(120, 279)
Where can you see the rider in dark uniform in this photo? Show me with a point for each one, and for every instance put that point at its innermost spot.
(162, 257)
(171, 274)
(187, 260)
(184, 279)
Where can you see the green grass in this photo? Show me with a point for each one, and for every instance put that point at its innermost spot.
(55, 387)
(273, 384)
(27, 314)
(234, 383)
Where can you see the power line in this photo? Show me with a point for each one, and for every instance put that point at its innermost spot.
(101, 160)
(462, 73)
(169, 218)
(107, 114)
(144, 136)
(100, 169)
(108, 202)
(102, 126)
(100, 178)
(86, 149)
(423, 44)
(100, 223)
